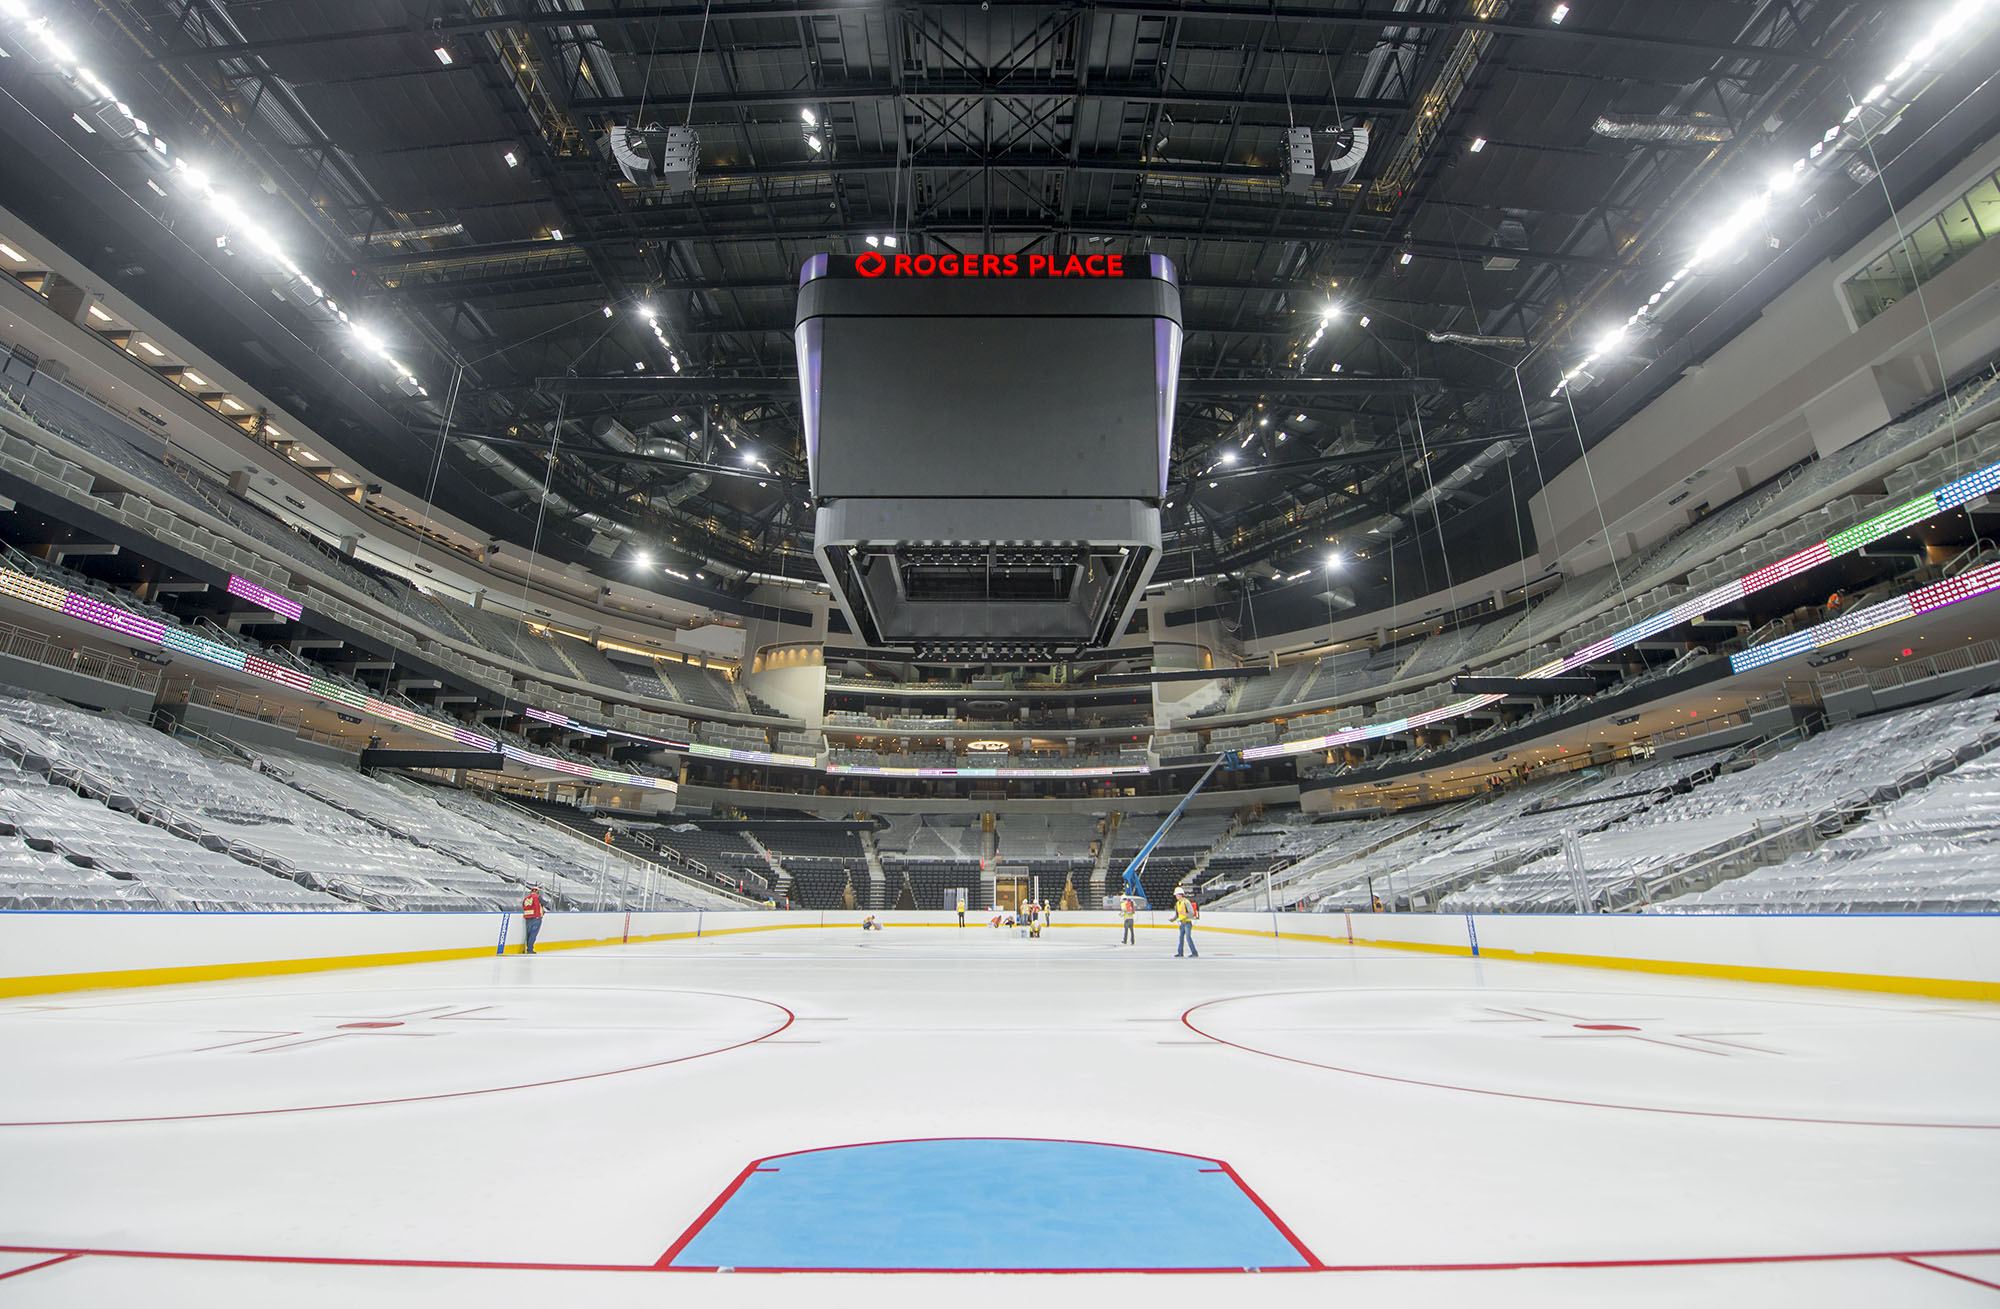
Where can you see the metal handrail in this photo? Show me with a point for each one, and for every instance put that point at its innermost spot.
(39, 648)
(644, 863)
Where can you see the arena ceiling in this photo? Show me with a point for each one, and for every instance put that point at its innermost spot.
(1365, 360)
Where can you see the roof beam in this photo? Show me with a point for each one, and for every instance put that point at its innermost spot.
(821, 233)
(1190, 387)
(1319, 14)
(997, 89)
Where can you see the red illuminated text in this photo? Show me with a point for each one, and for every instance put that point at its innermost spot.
(874, 264)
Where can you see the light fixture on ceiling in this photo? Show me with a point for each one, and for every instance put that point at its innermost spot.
(443, 56)
(15, 255)
(555, 234)
(1559, 13)
(607, 311)
(513, 160)
(1478, 144)
(1363, 320)
(99, 314)
(813, 143)
(1405, 258)
(642, 560)
(808, 117)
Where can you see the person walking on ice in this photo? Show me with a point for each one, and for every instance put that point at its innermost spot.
(532, 910)
(1185, 912)
(1128, 909)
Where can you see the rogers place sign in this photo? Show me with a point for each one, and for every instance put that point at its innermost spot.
(874, 263)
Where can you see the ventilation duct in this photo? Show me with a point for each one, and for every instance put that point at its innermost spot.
(1664, 127)
(1474, 338)
(410, 234)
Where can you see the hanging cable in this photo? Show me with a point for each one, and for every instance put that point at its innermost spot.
(1617, 575)
(1909, 256)
(1541, 481)
(694, 81)
(1437, 514)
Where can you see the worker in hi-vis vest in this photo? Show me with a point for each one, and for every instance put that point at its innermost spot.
(1185, 912)
(1128, 909)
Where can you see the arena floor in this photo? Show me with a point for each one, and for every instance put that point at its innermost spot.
(617, 1125)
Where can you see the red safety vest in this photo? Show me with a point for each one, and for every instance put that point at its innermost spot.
(531, 905)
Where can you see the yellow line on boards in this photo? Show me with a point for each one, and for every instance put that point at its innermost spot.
(1951, 988)
(51, 983)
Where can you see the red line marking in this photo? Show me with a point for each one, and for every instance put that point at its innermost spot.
(758, 1166)
(1187, 1019)
(1312, 1260)
(1910, 1256)
(714, 1207)
(1968, 1277)
(790, 1018)
(46, 1263)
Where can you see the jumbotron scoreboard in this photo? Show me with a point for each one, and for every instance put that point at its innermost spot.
(988, 437)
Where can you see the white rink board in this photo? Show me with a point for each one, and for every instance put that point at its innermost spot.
(1960, 948)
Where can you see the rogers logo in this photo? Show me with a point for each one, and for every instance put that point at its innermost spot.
(870, 264)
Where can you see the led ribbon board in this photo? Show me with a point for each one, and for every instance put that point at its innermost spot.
(139, 628)
(1926, 599)
(1902, 517)
(244, 588)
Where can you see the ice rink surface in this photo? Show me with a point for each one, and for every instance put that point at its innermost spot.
(516, 1131)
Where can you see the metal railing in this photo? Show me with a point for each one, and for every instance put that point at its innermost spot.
(647, 867)
(1703, 727)
(39, 648)
(1914, 670)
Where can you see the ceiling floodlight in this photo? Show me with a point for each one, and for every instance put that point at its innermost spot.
(1559, 13)
(513, 160)
(814, 144)
(1406, 257)
(443, 56)
(808, 117)
(1478, 144)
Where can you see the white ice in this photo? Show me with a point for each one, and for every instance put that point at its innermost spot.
(581, 1108)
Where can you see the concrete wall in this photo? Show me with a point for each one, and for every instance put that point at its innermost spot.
(1953, 955)
(1799, 381)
